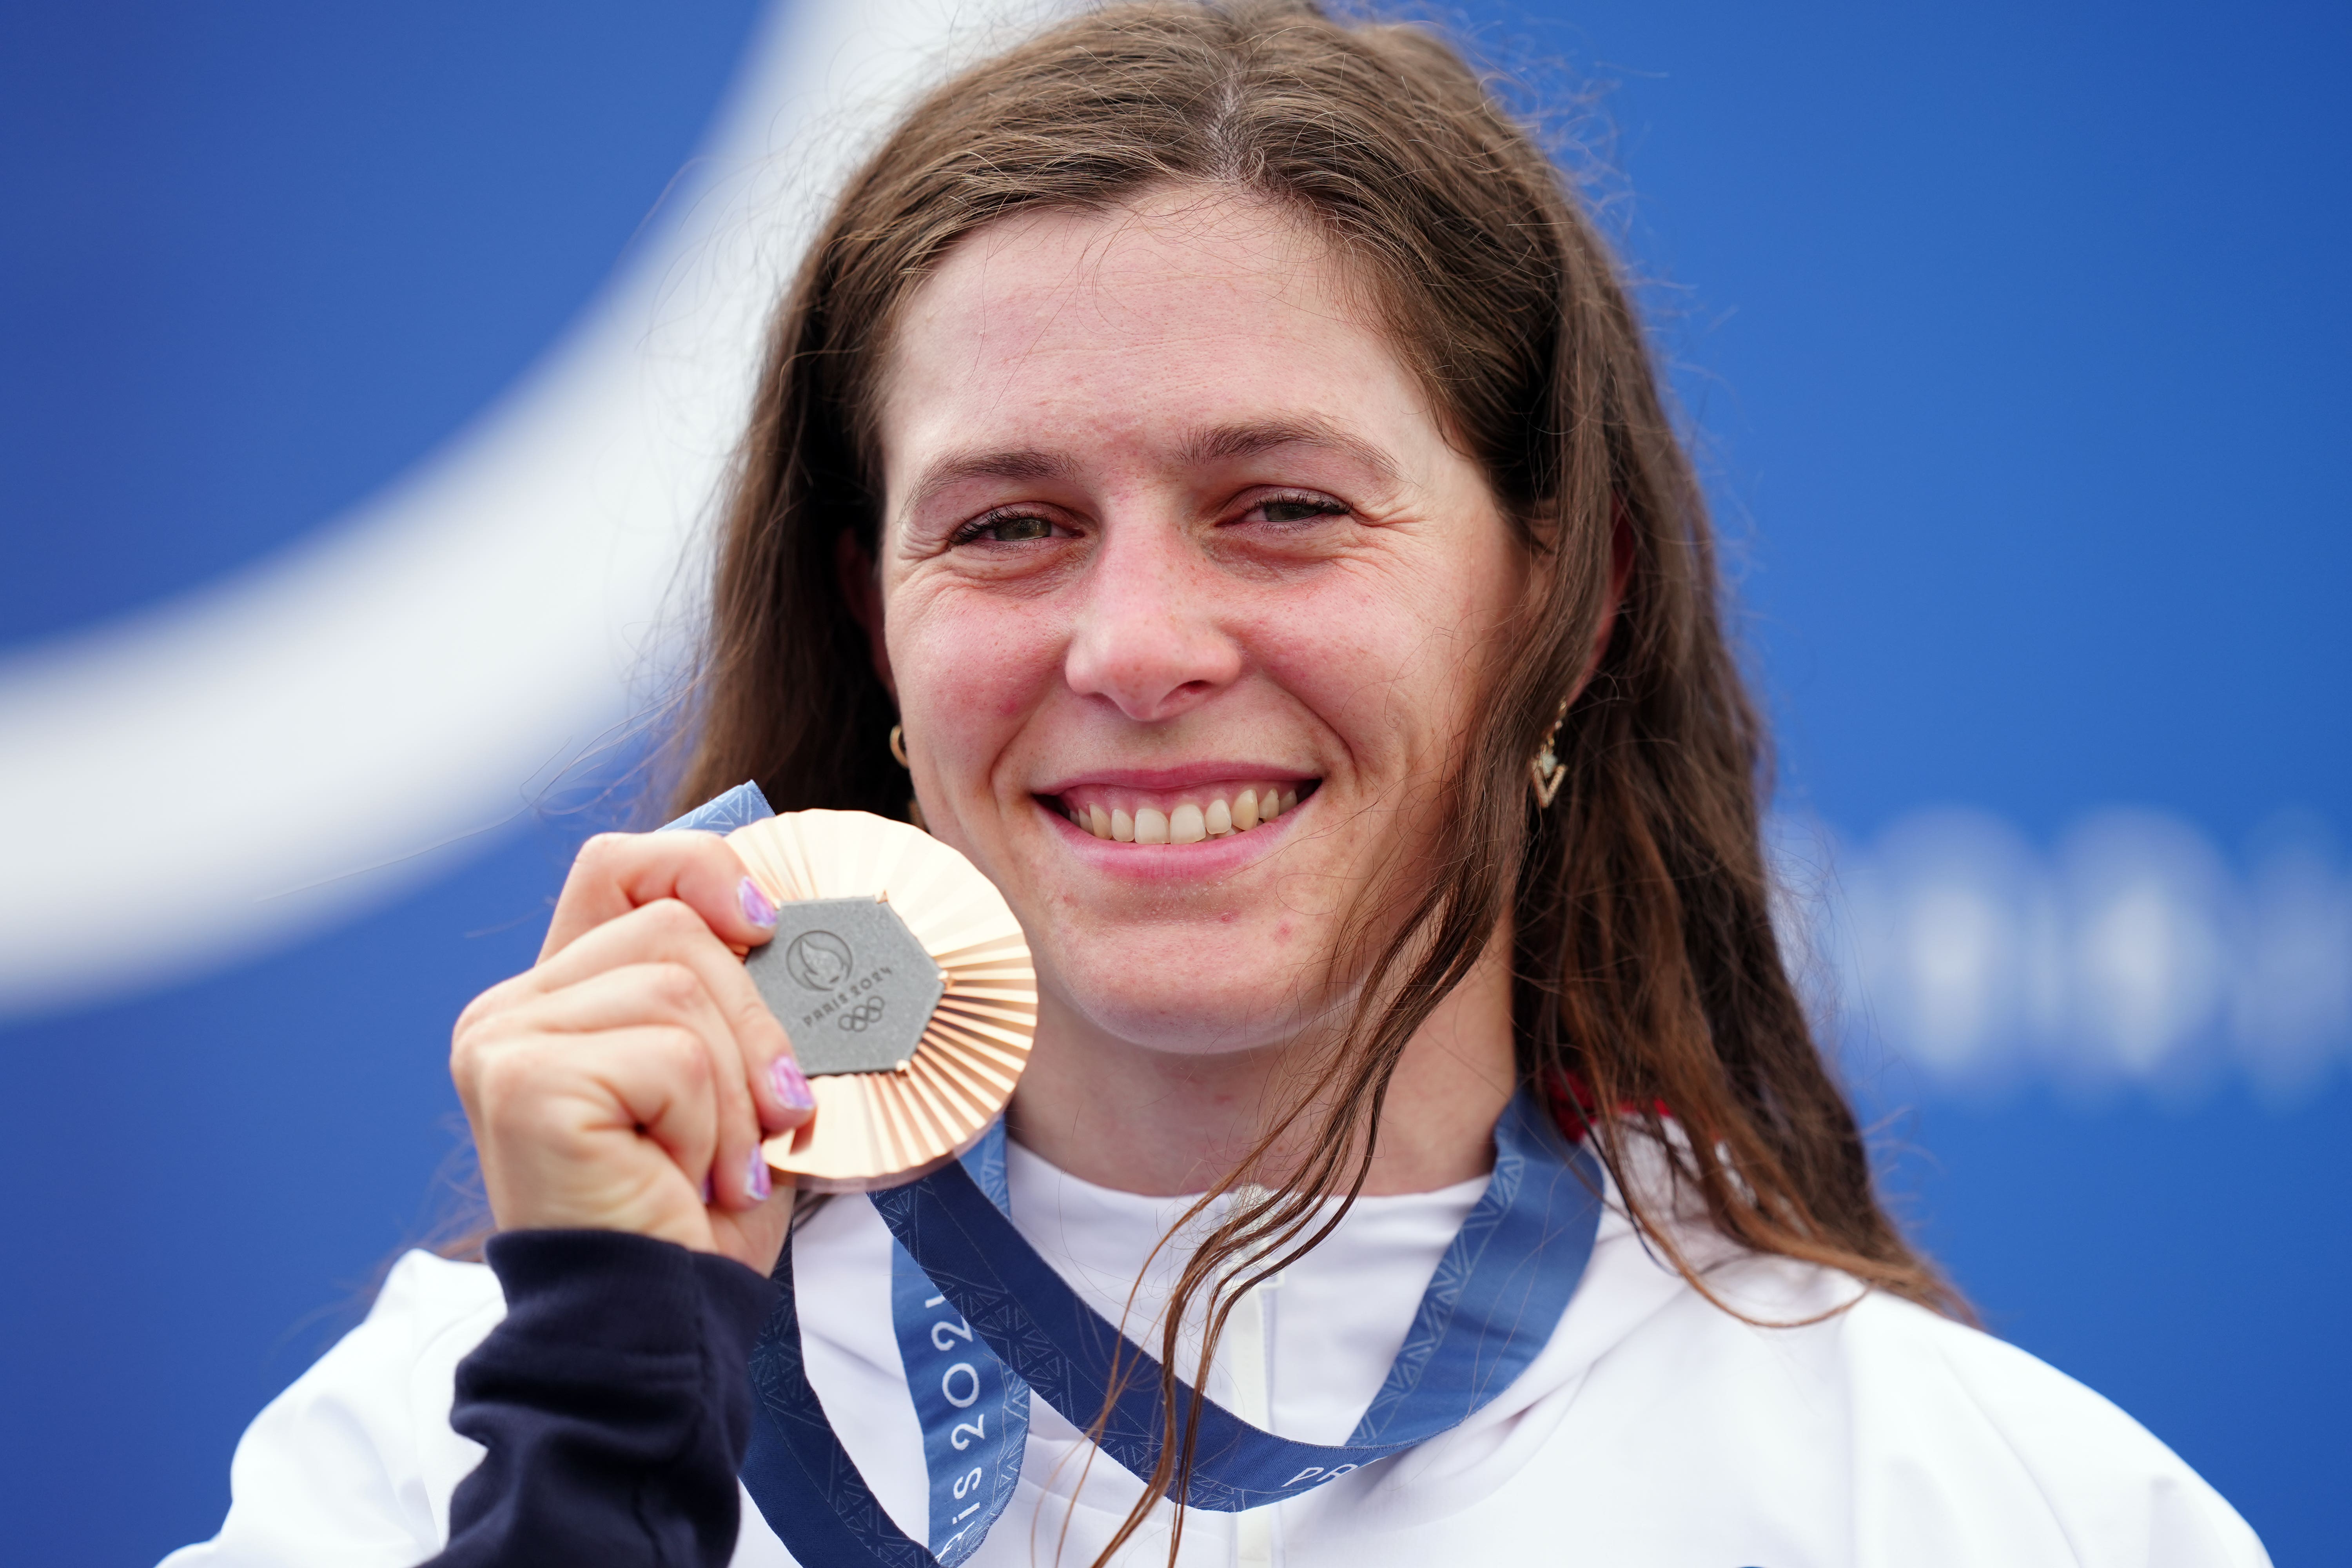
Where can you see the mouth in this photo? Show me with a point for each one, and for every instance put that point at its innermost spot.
(1193, 814)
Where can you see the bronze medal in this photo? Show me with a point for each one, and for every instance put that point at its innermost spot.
(905, 985)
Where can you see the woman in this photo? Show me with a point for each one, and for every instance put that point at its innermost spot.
(1214, 450)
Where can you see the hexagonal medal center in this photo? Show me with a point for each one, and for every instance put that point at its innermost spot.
(849, 982)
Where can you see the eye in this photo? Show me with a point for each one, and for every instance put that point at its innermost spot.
(1290, 511)
(1013, 527)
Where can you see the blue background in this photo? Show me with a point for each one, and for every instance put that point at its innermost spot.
(2016, 335)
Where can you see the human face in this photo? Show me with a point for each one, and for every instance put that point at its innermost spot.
(1169, 526)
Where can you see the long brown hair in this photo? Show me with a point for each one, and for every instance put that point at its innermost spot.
(1649, 984)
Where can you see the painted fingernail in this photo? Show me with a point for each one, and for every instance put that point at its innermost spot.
(761, 1186)
(792, 1084)
(756, 907)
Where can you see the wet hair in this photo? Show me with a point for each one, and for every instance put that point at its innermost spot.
(1652, 1000)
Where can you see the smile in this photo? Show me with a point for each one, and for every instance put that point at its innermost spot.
(1190, 815)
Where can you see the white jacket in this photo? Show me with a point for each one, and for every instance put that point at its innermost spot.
(1654, 1429)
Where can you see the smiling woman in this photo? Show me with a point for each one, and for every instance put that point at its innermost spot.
(1265, 583)
(1209, 450)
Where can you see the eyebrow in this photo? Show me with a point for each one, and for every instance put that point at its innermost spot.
(1252, 438)
(953, 470)
(1223, 443)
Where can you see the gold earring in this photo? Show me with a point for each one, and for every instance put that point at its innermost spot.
(898, 755)
(1546, 770)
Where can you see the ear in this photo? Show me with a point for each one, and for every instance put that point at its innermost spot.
(861, 589)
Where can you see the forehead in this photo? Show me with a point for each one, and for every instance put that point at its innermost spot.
(1178, 312)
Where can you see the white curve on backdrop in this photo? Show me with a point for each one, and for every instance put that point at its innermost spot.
(291, 743)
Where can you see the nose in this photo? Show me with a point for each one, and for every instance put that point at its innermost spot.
(1149, 638)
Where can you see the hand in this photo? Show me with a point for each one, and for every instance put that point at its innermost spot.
(625, 1081)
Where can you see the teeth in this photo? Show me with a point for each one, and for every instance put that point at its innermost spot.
(1187, 821)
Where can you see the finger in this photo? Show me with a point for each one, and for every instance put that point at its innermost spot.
(668, 932)
(675, 994)
(609, 1130)
(761, 1089)
(617, 872)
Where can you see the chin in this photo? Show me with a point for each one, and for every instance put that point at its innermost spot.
(1183, 1015)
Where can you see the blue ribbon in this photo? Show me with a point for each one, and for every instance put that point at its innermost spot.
(973, 1409)
(738, 807)
(1490, 1308)
(981, 1319)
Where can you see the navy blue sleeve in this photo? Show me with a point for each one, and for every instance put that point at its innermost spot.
(615, 1403)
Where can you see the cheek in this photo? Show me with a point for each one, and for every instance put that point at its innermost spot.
(1391, 657)
(969, 666)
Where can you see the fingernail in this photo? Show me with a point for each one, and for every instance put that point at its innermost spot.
(792, 1084)
(761, 1186)
(756, 907)
(706, 1189)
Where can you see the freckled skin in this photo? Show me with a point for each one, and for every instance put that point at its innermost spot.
(1130, 596)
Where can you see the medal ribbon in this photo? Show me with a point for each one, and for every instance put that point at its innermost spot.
(739, 807)
(1490, 1308)
(981, 1319)
(973, 1409)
